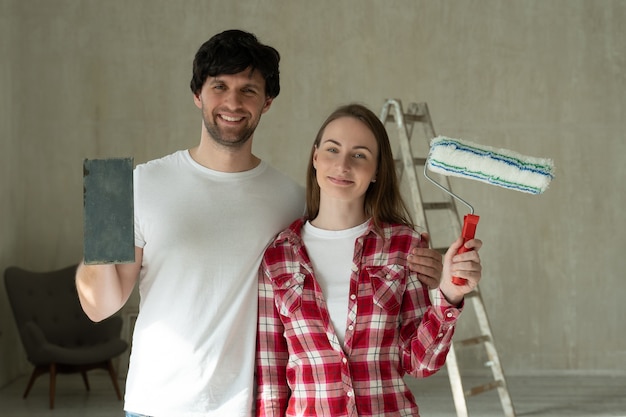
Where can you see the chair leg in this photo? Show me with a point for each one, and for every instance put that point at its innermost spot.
(85, 380)
(52, 369)
(53, 376)
(113, 375)
(39, 370)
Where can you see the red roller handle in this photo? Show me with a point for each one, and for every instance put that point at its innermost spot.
(469, 230)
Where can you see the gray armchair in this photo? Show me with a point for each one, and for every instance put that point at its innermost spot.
(57, 335)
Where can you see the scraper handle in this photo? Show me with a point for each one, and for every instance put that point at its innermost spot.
(469, 230)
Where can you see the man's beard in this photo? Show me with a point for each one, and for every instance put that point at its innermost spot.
(232, 140)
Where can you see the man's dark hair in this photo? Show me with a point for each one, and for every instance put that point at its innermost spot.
(231, 52)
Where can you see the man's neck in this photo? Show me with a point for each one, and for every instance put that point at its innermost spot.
(223, 159)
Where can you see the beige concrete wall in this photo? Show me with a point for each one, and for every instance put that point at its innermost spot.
(11, 194)
(546, 78)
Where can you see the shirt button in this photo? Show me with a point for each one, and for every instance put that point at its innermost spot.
(350, 327)
(440, 335)
(344, 360)
(350, 393)
(449, 315)
(353, 297)
(354, 268)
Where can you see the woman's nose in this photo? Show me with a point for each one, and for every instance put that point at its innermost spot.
(343, 162)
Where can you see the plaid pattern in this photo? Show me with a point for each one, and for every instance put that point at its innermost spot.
(392, 329)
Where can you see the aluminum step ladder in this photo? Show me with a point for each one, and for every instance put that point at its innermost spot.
(406, 163)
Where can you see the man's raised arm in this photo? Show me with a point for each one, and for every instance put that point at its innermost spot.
(104, 289)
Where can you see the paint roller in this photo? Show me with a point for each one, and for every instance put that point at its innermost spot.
(501, 167)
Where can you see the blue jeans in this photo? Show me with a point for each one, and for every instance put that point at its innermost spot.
(134, 415)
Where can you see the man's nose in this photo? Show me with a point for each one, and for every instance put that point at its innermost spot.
(233, 98)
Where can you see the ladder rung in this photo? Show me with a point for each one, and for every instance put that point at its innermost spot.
(473, 340)
(483, 388)
(416, 161)
(440, 205)
(407, 117)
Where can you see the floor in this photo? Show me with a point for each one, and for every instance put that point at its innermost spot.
(536, 396)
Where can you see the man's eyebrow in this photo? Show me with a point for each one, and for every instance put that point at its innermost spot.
(218, 80)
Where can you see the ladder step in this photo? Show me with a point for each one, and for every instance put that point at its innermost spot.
(483, 388)
(438, 205)
(416, 161)
(473, 340)
(410, 117)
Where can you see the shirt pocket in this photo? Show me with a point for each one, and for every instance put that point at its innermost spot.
(388, 285)
(288, 290)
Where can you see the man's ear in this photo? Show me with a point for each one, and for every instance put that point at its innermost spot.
(268, 104)
(197, 100)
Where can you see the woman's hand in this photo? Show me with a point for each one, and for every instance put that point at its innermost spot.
(464, 265)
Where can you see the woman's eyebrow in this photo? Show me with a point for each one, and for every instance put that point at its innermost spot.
(354, 147)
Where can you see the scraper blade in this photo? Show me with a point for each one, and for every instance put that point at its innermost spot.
(108, 235)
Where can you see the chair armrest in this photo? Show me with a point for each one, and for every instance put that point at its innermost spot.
(33, 335)
(105, 330)
(35, 343)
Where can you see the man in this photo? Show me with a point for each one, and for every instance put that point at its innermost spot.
(203, 218)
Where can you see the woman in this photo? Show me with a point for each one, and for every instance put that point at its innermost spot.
(341, 317)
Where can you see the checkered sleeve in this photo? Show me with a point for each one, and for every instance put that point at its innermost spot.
(426, 329)
(271, 353)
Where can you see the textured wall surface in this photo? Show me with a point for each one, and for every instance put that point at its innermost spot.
(93, 79)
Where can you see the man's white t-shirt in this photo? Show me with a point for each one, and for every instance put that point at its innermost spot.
(203, 234)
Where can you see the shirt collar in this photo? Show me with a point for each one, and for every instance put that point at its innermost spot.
(294, 232)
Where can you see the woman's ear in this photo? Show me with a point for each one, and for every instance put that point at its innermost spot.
(314, 161)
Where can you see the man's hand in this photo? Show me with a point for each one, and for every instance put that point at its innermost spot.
(426, 262)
